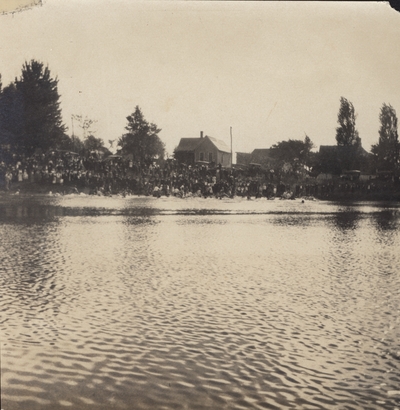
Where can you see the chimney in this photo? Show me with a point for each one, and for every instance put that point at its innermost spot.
(201, 134)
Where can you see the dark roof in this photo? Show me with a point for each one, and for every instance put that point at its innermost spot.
(261, 155)
(188, 144)
(261, 151)
(327, 148)
(330, 149)
(243, 158)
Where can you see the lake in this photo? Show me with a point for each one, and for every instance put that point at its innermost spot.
(144, 303)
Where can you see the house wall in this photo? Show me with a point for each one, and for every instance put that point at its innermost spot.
(204, 150)
(224, 158)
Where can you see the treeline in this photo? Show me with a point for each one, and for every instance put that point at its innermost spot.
(31, 121)
(30, 115)
(297, 156)
(349, 153)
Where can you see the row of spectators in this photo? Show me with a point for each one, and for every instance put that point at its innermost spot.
(117, 175)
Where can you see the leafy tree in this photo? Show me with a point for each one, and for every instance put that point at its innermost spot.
(42, 125)
(11, 116)
(346, 133)
(73, 143)
(387, 150)
(294, 152)
(305, 155)
(349, 150)
(91, 143)
(141, 140)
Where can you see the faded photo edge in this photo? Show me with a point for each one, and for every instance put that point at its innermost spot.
(13, 6)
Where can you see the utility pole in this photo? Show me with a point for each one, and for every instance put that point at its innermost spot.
(231, 150)
(72, 121)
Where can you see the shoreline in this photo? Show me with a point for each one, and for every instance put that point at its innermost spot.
(35, 189)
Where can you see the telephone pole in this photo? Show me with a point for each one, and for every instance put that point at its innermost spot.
(231, 150)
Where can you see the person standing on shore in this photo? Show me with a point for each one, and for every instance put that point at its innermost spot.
(8, 178)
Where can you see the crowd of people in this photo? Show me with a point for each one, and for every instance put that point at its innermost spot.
(68, 172)
(117, 175)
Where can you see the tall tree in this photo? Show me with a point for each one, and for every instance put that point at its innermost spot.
(43, 126)
(305, 155)
(349, 151)
(346, 133)
(141, 140)
(11, 116)
(387, 151)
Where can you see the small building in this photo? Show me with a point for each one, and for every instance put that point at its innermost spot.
(337, 159)
(340, 151)
(243, 158)
(260, 156)
(203, 149)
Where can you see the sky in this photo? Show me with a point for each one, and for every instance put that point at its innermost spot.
(270, 70)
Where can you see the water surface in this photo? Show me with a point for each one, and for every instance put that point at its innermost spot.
(143, 303)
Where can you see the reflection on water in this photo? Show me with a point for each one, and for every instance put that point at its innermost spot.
(387, 220)
(347, 219)
(141, 303)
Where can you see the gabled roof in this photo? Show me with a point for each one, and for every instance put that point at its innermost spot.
(188, 144)
(261, 155)
(221, 146)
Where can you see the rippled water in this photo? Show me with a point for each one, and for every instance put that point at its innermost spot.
(139, 303)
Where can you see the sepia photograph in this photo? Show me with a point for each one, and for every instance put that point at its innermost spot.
(199, 205)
